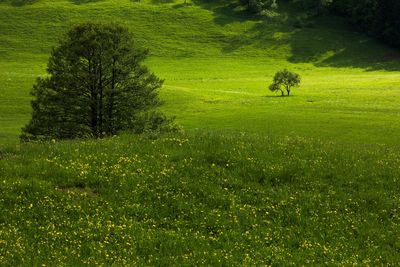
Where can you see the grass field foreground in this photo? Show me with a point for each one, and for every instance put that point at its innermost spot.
(210, 199)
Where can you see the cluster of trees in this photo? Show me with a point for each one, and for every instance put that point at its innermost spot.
(380, 18)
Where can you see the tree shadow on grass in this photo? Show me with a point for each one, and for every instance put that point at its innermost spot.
(182, 5)
(18, 3)
(264, 34)
(340, 46)
(162, 1)
(225, 11)
(326, 41)
(80, 2)
(280, 96)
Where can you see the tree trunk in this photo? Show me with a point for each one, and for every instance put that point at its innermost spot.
(110, 125)
(288, 90)
(93, 100)
(101, 123)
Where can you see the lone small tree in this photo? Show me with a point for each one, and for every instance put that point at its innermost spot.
(96, 86)
(284, 81)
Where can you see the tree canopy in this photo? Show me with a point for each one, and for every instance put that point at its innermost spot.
(284, 81)
(96, 85)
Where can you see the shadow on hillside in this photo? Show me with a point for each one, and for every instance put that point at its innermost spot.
(278, 95)
(224, 11)
(263, 35)
(80, 2)
(159, 1)
(327, 42)
(182, 5)
(21, 2)
(325, 46)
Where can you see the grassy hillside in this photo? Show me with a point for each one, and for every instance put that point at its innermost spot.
(257, 179)
(217, 63)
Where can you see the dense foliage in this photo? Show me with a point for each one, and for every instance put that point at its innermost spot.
(96, 86)
(379, 17)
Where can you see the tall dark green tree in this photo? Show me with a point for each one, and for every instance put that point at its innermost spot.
(96, 85)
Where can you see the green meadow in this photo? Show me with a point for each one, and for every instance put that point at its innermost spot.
(252, 179)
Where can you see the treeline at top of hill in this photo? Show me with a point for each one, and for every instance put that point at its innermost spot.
(379, 18)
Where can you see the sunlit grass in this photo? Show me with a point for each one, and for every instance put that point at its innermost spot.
(217, 64)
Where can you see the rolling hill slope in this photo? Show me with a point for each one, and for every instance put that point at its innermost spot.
(217, 63)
